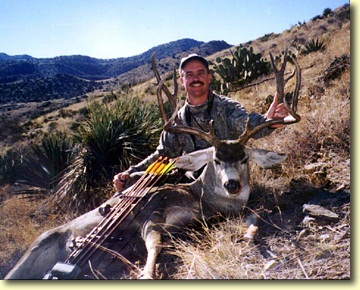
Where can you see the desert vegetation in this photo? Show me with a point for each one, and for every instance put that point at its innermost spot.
(303, 204)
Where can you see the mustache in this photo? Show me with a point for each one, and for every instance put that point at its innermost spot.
(197, 82)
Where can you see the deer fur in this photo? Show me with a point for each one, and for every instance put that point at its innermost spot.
(170, 207)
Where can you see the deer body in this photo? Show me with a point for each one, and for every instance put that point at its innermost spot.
(158, 211)
(170, 207)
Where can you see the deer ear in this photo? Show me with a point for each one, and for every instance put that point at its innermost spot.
(195, 160)
(264, 158)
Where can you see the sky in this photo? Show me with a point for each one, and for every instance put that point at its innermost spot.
(122, 28)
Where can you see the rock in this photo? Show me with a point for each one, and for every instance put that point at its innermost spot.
(319, 212)
(251, 232)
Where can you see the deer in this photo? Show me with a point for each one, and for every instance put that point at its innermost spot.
(222, 188)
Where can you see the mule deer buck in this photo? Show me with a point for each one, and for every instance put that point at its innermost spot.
(223, 187)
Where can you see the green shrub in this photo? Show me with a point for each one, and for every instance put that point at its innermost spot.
(113, 137)
(43, 162)
(327, 12)
(9, 166)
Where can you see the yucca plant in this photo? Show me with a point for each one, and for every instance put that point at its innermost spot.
(116, 135)
(44, 161)
(314, 45)
(10, 164)
(113, 137)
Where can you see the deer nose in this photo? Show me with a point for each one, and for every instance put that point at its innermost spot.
(232, 186)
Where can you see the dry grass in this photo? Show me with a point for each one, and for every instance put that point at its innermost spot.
(316, 252)
(203, 257)
(22, 220)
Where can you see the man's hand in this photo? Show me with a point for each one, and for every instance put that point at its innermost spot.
(276, 111)
(120, 180)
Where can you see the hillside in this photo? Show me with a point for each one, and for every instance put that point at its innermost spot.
(28, 79)
(293, 242)
(13, 68)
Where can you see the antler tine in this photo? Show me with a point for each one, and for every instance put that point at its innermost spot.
(248, 132)
(210, 136)
(160, 100)
(175, 91)
(293, 107)
(294, 118)
(156, 72)
(171, 96)
(279, 75)
(297, 85)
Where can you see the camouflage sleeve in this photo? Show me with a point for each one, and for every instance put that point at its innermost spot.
(256, 119)
(141, 166)
(168, 146)
(237, 116)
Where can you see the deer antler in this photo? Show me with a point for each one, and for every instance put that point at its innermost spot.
(172, 97)
(160, 100)
(280, 84)
(210, 136)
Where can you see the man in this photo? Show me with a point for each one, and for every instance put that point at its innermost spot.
(201, 106)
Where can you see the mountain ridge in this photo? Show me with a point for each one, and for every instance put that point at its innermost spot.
(77, 64)
(25, 78)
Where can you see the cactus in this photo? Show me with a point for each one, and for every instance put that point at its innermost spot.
(289, 58)
(244, 67)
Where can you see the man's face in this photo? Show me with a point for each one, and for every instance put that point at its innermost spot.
(195, 79)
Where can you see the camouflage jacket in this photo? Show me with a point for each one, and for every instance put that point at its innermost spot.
(229, 123)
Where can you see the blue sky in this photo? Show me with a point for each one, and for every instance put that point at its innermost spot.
(121, 28)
